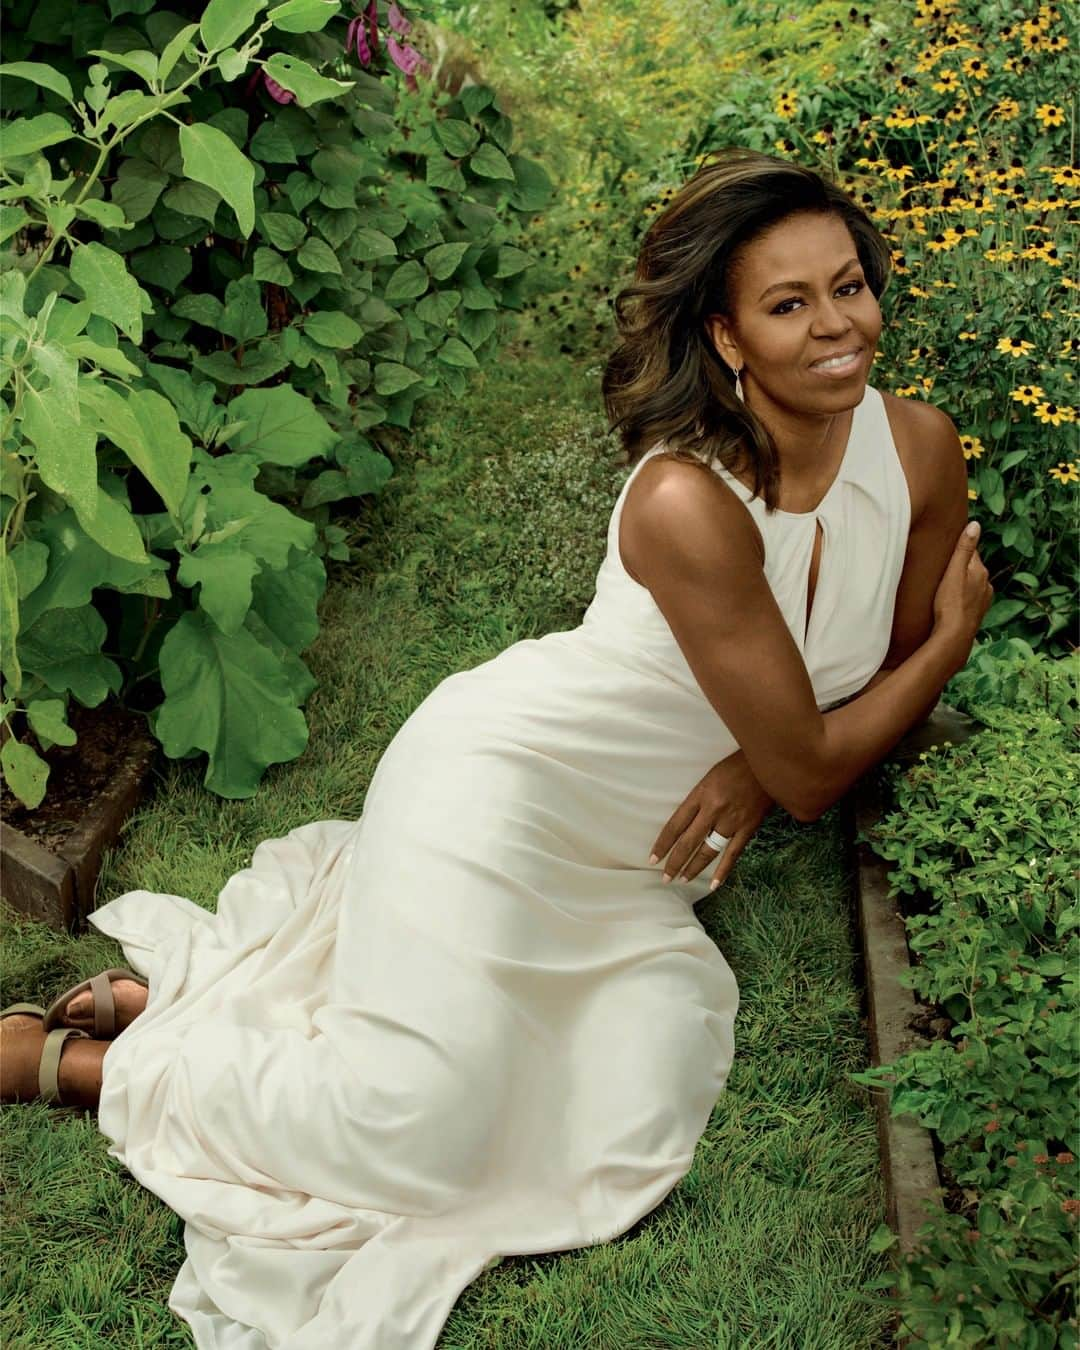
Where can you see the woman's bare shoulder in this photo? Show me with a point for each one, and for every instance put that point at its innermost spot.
(685, 473)
(927, 445)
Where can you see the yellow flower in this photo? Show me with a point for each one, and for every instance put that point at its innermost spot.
(1066, 176)
(975, 68)
(946, 81)
(1015, 346)
(1028, 393)
(907, 391)
(1051, 413)
(787, 103)
(1065, 472)
(1057, 43)
(971, 446)
(1070, 347)
(967, 337)
(1006, 109)
(1050, 115)
(901, 172)
(918, 290)
(973, 496)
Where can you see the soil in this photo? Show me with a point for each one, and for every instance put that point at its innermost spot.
(78, 774)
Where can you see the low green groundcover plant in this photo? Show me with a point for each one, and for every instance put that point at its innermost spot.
(240, 240)
(983, 836)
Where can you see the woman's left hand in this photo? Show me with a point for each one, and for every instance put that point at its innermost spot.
(728, 799)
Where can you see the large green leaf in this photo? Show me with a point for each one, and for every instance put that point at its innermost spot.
(112, 525)
(365, 245)
(47, 721)
(303, 16)
(210, 157)
(332, 328)
(193, 199)
(65, 455)
(265, 528)
(407, 282)
(244, 317)
(223, 21)
(303, 80)
(63, 648)
(283, 230)
(260, 363)
(144, 425)
(443, 260)
(281, 426)
(77, 566)
(138, 185)
(110, 288)
(27, 134)
(317, 256)
(41, 74)
(25, 772)
(226, 694)
(455, 353)
(9, 617)
(490, 162)
(456, 137)
(391, 377)
(223, 570)
(287, 599)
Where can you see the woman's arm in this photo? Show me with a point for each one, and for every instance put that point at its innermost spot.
(694, 545)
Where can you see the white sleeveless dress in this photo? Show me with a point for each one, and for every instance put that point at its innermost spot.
(473, 1022)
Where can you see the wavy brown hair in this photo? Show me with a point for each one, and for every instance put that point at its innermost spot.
(665, 380)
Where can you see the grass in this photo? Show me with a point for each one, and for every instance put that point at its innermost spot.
(763, 1243)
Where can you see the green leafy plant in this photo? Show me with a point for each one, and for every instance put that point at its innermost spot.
(222, 278)
(982, 836)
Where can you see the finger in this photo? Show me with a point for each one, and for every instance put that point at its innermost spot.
(729, 858)
(692, 853)
(676, 826)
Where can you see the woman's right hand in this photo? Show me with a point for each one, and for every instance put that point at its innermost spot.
(964, 594)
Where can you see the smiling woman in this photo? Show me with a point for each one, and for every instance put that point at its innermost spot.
(475, 1021)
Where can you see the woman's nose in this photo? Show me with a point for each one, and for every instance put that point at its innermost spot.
(830, 320)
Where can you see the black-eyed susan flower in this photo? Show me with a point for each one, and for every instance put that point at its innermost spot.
(1065, 472)
(1028, 393)
(907, 391)
(1052, 414)
(973, 496)
(972, 447)
(1070, 348)
(1066, 176)
(975, 68)
(1050, 115)
(967, 337)
(787, 103)
(1057, 43)
(1015, 346)
(1005, 109)
(946, 82)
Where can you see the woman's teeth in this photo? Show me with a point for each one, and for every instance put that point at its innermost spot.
(837, 362)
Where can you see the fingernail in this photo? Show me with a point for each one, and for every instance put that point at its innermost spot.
(665, 879)
(713, 884)
(653, 858)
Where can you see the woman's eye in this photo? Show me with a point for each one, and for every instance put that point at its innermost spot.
(858, 285)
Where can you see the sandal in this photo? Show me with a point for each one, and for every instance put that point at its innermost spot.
(49, 1065)
(100, 987)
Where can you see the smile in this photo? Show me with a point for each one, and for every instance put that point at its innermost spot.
(839, 365)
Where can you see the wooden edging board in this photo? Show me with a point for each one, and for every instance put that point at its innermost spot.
(57, 888)
(908, 1161)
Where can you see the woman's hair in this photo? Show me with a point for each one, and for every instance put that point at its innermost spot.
(665, 380)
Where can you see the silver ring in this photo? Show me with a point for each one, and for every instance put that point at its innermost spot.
(716, 840)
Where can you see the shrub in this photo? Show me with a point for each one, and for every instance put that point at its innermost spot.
(223, 275)
(982, 835)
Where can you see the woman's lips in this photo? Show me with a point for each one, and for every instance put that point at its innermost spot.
(841, 371)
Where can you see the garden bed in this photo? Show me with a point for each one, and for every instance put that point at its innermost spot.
(896, 1019)
(51, 855)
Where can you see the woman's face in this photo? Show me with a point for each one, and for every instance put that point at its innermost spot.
(798, 295)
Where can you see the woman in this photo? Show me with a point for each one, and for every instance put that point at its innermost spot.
(477, 1021)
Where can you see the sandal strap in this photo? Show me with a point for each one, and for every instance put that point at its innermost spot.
(49, 1068)
(101, 993)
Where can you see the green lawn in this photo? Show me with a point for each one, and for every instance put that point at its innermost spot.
(763, 1243)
